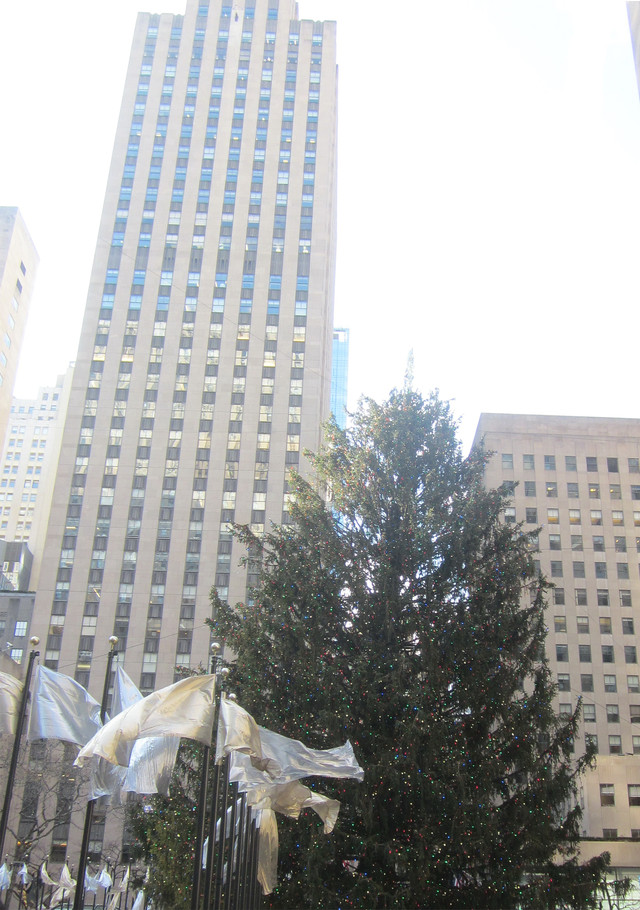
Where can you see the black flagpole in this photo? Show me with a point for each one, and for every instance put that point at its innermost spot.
(8, 793)
(221, 674)
(202, 797)
(78, 900)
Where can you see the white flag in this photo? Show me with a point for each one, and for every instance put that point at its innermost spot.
(90, 882)
(5, 877)
(45, 878)
(67, 886)
(104, 879)
(138, 904)
(237, 732)
(152, 758)
(282, 759)
(267, 850)
(295, 760)
(61, 709)
(184, 709)
(23, 874)
(10, 695)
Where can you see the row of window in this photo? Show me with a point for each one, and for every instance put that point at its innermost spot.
(574, 516)
(604, 625)
(607, 794)
(571, 463)
(550, 488)
(607, 652)
(610, 682)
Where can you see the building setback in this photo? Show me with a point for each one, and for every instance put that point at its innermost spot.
(204, 364)
(18, 264)
(578, 480)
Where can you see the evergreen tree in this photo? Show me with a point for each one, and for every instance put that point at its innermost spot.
(406, 616)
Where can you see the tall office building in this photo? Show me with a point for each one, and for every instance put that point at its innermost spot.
(204, 364)
(340, 376)
(28, 465)
(18, 264)
(578, 479)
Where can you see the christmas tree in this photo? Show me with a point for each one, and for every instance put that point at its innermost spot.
(398, 610)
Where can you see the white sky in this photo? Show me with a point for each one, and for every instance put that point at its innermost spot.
(489, 190)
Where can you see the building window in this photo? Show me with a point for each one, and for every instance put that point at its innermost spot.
(564, 682)
(576, 542)
(578, 570)
(594, 491)
(608, 656)
(507, 462)
(617, 518)
(581, 597)
(582, 623)
(605, 625)
(20, 629)
(589, 713)
(613, 714)
(549, 462)
(574, 516)
(625, 598)
(572, 491)
(607, 795)
(596, 517)
(622, 570)
(560, 623)
(598, 544)
(562, 653)
(630, 654)
(556, 569)
(634, 794)
(592, 463)
(612, 466)
(620, 544)
(635, 742)
(627, 626)
(610, 683)
(531, 516)
(584, 653)
(615, 491)
(528, 462)
(586, 682)
(610, 833)
(529, 488)
(602, 597)
(634, 714)
(553, 516)
(551, 488)
(558, 596)
(570, 463)
(615, 744)
(601, 569)
(633, 684)
(509, 514)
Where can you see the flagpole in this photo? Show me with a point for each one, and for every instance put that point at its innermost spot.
(8, 793)
(78, 900)
(221, 673)
(202, 797)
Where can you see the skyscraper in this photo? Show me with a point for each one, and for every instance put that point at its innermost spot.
(204, 364)
(18, 264)
(28, 465)
(578, 480)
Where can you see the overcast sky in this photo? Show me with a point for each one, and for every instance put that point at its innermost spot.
(489, 190)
